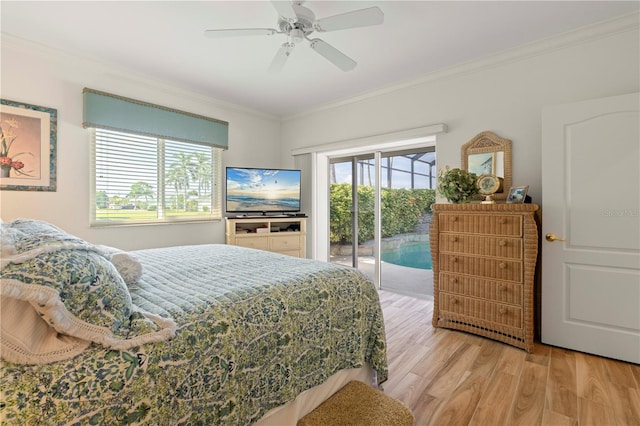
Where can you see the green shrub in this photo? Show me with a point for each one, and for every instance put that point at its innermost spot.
(401, 211)
(192, 206)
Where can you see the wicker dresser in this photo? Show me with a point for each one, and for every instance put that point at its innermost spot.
(484, 261)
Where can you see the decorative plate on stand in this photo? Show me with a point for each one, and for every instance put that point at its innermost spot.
(487, 186)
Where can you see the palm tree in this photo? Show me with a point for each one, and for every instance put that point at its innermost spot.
(181, 173)
(203, 169)
(141, 189)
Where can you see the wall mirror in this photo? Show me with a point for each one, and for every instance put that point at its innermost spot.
(488, 153)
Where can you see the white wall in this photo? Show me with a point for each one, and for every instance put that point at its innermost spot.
(36, 75)
(504, 94)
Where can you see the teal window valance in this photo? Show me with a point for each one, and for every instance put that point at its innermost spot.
(111, 112)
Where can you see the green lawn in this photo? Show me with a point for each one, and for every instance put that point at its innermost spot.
(124, 214)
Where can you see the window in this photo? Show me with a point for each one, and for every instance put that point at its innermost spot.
(151, 163)
(141, 179)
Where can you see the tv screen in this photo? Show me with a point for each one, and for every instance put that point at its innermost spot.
(262, 191)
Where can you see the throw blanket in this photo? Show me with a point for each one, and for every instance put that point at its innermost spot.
(59, 294)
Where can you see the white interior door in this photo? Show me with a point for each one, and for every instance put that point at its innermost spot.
(591, 199)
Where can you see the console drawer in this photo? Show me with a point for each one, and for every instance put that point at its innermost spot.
(285, 242)
(261, 243)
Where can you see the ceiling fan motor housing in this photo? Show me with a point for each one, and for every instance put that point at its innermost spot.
(299, 28)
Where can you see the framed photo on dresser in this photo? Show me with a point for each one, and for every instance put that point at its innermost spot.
(517, 194)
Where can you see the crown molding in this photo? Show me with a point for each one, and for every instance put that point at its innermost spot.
(125, 75)
(582, 35)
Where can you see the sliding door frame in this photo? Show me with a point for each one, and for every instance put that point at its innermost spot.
(420, 137)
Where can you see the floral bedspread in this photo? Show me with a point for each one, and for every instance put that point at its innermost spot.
(254, 329)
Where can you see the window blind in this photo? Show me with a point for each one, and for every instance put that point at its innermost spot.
(141, 179)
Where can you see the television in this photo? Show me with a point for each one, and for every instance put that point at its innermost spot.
(256, 191)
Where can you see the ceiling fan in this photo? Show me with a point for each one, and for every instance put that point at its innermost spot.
(298, 22)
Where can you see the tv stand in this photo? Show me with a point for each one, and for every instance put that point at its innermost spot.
(283, 234)
(265, 216)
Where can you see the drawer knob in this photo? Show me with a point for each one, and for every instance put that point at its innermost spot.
(502, 310)
(502, 265)
(454, 281)
(454, 259)
(502, 243)
(454, 301)
(503, 220)
(454, 239)
(454, 218)
(502, 287)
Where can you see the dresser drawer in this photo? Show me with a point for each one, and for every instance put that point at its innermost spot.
(501, 269)
(498, 291)
(506, 247)
(481, 224)
(508, 315)
(285, 242)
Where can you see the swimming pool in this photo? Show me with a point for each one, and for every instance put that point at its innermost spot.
(413, 255)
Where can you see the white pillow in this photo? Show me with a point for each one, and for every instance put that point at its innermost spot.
(127, 264)
(8, 237)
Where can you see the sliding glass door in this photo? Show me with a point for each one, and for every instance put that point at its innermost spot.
(352, 212)
(389, 243)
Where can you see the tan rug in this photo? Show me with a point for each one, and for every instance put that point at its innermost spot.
(359, 404)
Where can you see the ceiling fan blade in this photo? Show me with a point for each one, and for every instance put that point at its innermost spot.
(357, 18)
(332, 54)
(281, 57)
(239, 32)
(285, 9)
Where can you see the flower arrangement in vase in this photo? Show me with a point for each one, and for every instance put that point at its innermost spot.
(7, 164)
(457, 185)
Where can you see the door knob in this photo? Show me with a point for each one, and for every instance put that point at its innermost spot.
(552, 237)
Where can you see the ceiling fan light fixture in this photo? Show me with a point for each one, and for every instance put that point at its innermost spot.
(297, 35)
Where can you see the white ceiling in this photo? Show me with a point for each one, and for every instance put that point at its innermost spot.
(164, 40)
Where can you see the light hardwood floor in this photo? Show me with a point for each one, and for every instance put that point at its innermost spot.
(452, 378)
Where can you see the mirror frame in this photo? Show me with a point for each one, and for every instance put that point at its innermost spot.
(490, 142)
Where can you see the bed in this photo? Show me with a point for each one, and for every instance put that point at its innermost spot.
(203, 334)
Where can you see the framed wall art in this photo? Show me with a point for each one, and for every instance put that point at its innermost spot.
(27, 147)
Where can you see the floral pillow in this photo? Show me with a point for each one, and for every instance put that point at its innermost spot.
(75, 289)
